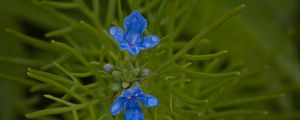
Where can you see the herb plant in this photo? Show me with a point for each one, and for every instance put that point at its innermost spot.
(167, 63)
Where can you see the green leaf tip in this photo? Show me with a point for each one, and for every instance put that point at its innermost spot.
(82, 22)
(47, 95)
(28, 115)
(243, 5)
(59, 32)
(28, 73)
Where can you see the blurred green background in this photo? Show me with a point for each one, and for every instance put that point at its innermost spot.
(264, 36)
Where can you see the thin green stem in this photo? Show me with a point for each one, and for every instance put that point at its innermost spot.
(59, 100)
(205, 57)
(73, 52)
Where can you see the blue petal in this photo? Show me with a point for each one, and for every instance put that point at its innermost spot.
(118, 34)
(135, 22)
(127, 94)
(124, 45)
(149, 42)
(148, 100)
(132, 92)
(136, 90)
(134, 50)
(133, 110)
(117, 106)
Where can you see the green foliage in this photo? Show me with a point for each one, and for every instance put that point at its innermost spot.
(195, 75)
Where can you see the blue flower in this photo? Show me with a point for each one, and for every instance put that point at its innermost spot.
(130, 101)
(132, 40)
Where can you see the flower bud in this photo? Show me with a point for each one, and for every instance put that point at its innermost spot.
(146, 72)
(136, 71)
(116, 87)
(117, 74)
(108, 67)
(125, 84)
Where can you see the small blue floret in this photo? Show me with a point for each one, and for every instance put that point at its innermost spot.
(130, 101)
(148, 100)
(132, 40)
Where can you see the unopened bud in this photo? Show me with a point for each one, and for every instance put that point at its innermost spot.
(108, 67)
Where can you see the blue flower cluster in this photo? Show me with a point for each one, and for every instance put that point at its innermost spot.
(135, 24)
(130, 100)
(133, 41)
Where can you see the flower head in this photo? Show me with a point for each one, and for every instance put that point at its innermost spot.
(132, 40)
(130, 101)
